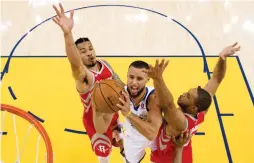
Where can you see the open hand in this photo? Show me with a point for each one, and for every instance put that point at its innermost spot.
(62, 20)
(230, 50)
(157, 71)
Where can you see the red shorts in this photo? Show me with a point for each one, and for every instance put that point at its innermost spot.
(168, 156)
(101, 143)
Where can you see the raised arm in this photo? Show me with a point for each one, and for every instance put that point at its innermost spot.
(220, 69)
(79, 71)
(164, 97)
(148, 128)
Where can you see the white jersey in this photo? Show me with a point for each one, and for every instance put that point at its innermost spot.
(141, 110)
(134, 142)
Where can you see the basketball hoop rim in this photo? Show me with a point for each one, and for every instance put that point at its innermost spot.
(36, 123)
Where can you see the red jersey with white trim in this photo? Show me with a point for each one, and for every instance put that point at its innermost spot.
(165, 147)
(104, 73)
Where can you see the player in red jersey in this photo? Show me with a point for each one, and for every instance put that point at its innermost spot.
(87, 70)
(193, 104)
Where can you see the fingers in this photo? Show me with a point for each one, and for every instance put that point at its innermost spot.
(57, 11)
(126, 95)
(186, 135)
(165, 65)
(120, 106)
(238, 49)
(162, 63)
(61, 8)
(173, 138)
(122, 101)
(55, 20)
(72, 13)
(156, 63)
(234, 44)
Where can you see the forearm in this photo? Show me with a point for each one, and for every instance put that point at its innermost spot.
(72, 51)
(178, 155)
(164, 96)
(144, 127)
(219, 70)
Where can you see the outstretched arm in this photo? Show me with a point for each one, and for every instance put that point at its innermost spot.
(80, 72)
(148, 128)
(165, 98)
(220, 69)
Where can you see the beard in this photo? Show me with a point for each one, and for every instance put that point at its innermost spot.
(139, 92)
(91, 65)
(182, 106)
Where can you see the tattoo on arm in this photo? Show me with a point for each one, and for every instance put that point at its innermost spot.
(114, 76)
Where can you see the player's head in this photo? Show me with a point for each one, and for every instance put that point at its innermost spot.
(137, 77)
(195, 100)
(86, 51)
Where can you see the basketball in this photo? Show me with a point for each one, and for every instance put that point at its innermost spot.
(106, 95)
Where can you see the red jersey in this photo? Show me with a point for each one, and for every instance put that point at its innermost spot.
(104, 73)
(165, 147)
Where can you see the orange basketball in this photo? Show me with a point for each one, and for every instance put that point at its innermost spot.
(106, 95)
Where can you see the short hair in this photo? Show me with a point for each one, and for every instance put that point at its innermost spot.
(80, 40)
(139, 64)
(204, 100)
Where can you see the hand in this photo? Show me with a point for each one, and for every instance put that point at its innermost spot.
(184, 138)
(116, 135)
(61, 19)
(125, 103)
(157, 71)
(230, 50)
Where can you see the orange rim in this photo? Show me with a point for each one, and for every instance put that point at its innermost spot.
(38, 126)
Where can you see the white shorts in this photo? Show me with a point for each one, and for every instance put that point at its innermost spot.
(135, 145)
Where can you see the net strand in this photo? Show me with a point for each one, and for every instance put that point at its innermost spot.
(24, 143)
(16, 136)
(37, 148)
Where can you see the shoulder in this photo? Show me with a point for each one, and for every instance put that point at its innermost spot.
(105, 62)
(151, 95)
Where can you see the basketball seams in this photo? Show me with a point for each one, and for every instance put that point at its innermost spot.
(94, 97)
(113, 90)
(104, 97)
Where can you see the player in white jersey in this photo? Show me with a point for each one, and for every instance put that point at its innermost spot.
(143, 106)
